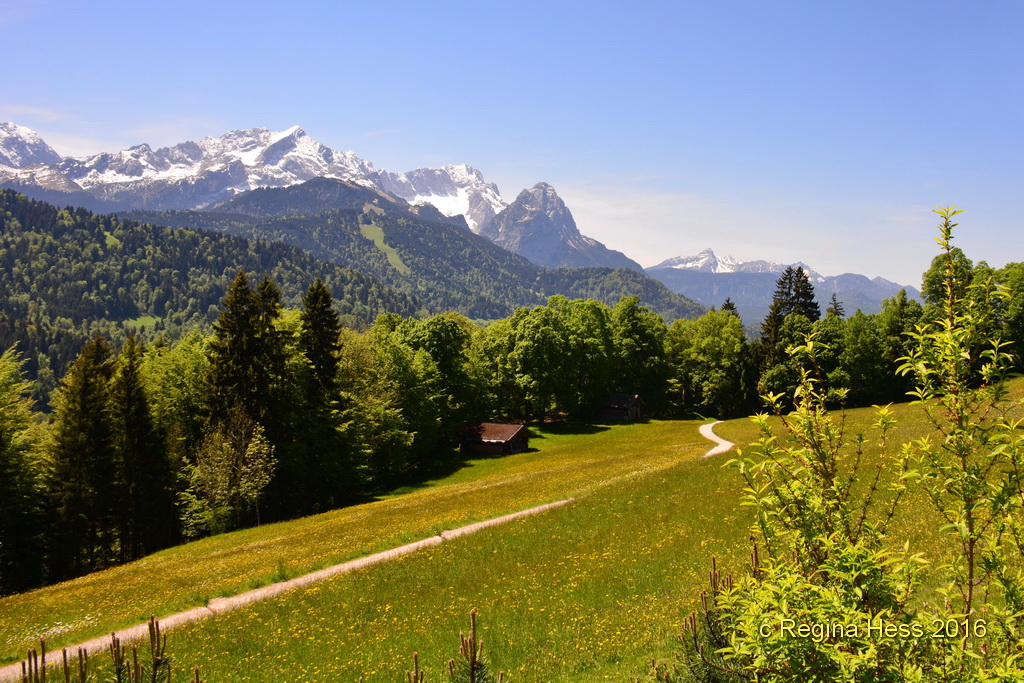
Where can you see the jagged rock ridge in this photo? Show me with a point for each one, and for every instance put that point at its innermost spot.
(540, 227)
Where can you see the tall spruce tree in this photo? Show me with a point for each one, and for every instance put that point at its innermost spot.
(145, 508)
(319, 336)
(785, 288)
(325, 470)
(248, 359)
(794, 293)
(80, 478)
(730, 307)
(247, 353)
(803, 296)
(234, 350)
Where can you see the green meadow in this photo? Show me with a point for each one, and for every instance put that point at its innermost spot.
(567, 461)
(589, 591)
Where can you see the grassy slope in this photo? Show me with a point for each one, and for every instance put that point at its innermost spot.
(590, 591)
(186, 576)
(587, 592)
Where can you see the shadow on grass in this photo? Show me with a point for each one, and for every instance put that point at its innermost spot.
(443, 465)
(451, 460)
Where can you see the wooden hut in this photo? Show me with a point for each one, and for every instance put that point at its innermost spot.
(625, 407)
(490, 438)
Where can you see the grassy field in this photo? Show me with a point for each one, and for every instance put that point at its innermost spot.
(567, 462)
(592, 591)
(589, 591)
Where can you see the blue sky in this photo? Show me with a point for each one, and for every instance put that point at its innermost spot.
(814, 131)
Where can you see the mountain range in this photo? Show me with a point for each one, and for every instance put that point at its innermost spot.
(710, 279)
(206, 174)
(262, 174)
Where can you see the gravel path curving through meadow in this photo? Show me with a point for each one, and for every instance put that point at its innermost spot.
(12, 672)
(708, 432)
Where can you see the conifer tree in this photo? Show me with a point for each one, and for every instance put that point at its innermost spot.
(785, 287)
(319, 337)
(803, 296)
(729, 307)
(835, 307)
(80, 478)
(272, 355)
(247, 353)
(144, 506)
(233, 350)
(248, 358)
(767, 347)
(324, 471)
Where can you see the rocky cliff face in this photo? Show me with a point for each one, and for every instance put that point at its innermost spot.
(540, 227)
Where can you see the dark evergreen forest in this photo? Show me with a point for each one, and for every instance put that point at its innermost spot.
(67, 275)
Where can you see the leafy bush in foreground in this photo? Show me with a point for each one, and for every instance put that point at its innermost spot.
(828, 597)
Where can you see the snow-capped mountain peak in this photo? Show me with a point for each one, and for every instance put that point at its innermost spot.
(706, 261)
(197, 174)
(193, 175)
(21, 146)
(452, 189)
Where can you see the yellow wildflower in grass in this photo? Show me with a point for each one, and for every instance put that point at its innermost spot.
(186, 576)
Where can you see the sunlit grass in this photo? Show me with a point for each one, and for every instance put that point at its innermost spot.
(564, 464)
(375, 234)
(589, 591)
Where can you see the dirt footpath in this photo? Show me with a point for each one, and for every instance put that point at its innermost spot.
(12, 672)
(707, 431)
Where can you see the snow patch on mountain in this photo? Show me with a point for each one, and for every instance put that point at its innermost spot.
(21, 146)
(708, 262)
(452, 190)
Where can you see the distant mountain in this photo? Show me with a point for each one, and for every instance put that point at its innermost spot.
(708, 262)
(708, 279)
(540, 227)
(453, 190)
(197, 174)
(21, 147)
(211, 173)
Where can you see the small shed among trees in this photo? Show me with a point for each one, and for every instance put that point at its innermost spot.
(490, 438)
(626, 407)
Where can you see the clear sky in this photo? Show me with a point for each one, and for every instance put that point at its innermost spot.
(817, 131)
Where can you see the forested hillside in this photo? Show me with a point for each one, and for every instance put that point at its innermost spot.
(444, 265)
(67, 275)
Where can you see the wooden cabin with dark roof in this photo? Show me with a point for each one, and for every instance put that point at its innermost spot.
(490, 438)
(625, 407)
